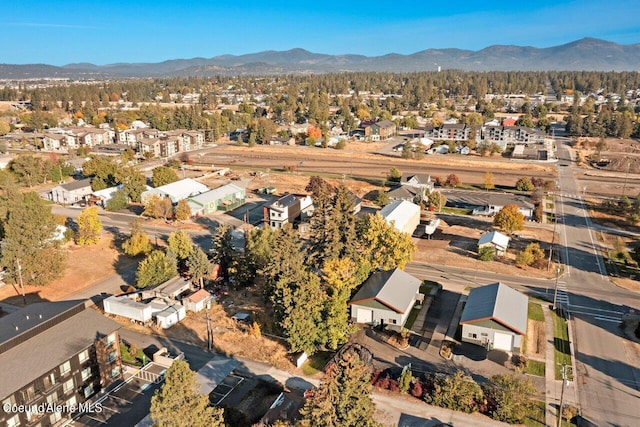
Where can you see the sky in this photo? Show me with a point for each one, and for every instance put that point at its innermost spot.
(60, 32)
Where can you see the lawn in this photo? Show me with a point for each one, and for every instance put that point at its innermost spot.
(411, 318)
(136, 360)
(535, 367)
(562, 351)
(536, 416)
(316, 363)
(457, 211)
(535, 312)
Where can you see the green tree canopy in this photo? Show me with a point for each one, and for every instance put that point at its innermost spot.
(512, 396)
(181, 244)
(198, 266)
(163, 175)
(524, 184)
(222, 251)
(458, 392)
(27, 228)
(179, 402)
(118, 201)
(343, 398)
(155, 269)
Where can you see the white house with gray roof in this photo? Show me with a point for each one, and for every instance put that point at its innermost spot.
(496, 240)
(386, 297)
(495, 317)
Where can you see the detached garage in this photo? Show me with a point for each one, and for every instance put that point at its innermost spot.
(495, 317)
(386, 297)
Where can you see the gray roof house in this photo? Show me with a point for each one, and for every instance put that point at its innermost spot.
(71, 192)
(386, 297)
(498, 241)
(495, 317)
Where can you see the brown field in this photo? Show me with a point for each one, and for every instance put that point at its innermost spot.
(535, 343)
(86, 266)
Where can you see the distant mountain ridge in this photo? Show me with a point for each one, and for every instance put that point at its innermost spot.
(587, 54)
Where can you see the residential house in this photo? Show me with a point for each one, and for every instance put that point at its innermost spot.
(225, 198)
(386, 297)
(58, 353)
(164, 311)
(71, 192)
(276, 140)
(496, 240)
(285, 210)
(379, 131)
(103, 196)
(488, 203)
(403, 192)
(178, 190)
(419, 181)
(403, 215)
(495, 317)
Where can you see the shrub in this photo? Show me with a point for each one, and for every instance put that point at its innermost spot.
(486, 253)
(416, 388)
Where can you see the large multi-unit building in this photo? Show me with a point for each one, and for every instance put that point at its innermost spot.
(54, 357)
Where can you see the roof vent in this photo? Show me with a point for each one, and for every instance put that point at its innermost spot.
(27, 316)
(17, 329)
(40, 316)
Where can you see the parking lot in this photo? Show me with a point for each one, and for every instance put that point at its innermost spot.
(128, 402)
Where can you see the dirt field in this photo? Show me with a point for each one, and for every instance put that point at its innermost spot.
(535, 339)
(454, 244)
(86, 266)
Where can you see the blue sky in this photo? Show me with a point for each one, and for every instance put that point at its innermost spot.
(109, 31)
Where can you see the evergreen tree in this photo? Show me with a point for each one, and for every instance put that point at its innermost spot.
(155, 269)
(89, 227)
(285, 270)
(27, 229)
(302, 322)
(179, 402)
(222, 251)
(181, 244)
(258, 247)
(198, 266)
(343, 398)
(343, 240)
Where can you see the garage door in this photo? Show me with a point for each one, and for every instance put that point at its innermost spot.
(364, 316)
(502, 341)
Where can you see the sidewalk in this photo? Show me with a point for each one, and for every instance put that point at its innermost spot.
(554, 387)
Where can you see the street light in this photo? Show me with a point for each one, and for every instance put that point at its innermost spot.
(24, 298)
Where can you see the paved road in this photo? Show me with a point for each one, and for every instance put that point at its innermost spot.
(608, 385)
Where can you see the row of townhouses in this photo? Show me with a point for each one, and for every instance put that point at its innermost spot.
(497, 134)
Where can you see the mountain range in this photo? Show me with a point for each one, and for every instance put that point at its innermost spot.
(587, 54)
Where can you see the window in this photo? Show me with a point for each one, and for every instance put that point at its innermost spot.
(68, 386)
(49, 380)
(13, 421)
(88, 391)
(115, 372)
(86, 373)
(65, 368)
(55, 417)
(110, 339)
(72, 402)
(53, 397)
(11, 400)
(393, 321)
(111, 357)
(84, 356)
(28, 394)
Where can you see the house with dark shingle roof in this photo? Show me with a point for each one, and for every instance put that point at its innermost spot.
(386, 297)
(378, 131)
(495, 317)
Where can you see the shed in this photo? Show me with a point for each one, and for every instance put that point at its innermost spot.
(495, 317)
(170, 316)
(197, 301)
(386, 297)
(177, 190)
(225, 198)
(403, 215)
(496, 240)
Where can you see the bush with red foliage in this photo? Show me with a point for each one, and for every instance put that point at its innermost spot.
(394, 386)
(383, 382)
(375, 374)
(416, 388)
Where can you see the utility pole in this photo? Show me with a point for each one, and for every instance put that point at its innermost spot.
(564, 381)
(24, 298)
(626, 175)
(209, 333)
